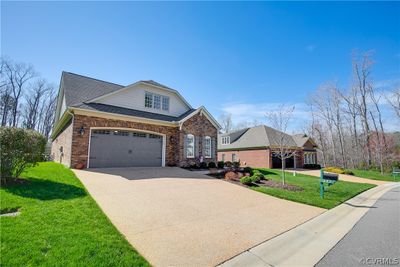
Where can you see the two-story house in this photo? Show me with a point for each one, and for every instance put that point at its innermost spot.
(102, 124)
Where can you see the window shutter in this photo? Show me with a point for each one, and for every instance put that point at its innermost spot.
(196, 145)
(203, 142)
(213, 146)
(185, 146)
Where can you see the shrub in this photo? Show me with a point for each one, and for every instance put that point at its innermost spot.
(220, 164)
(193, 165)
(348, 172)
(236, 164)
(203, 165)
(247, 180)
(248, 170)
(228, 164)
(259, 175)
(312, 166)
(338, 170)
(19, 149)
(255, 178)
(212, 165)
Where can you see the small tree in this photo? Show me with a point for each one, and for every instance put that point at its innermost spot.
(19, 149)
(281, 141)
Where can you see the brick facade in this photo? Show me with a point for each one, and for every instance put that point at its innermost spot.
(258, 158)
(62, 145)
(198, 125)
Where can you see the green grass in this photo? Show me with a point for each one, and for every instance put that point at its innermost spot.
(375, 175)
(59, 225)
(334, 195)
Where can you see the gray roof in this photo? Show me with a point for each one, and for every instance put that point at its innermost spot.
(80, 89)
(300, 139)
(131, 112)
(255, 137)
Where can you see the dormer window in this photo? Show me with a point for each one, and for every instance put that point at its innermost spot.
(226, 140)
(156, 101)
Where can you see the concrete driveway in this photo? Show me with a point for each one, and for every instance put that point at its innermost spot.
(175, 217)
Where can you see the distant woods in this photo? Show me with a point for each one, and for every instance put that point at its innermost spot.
(347, 124)
(26, 99)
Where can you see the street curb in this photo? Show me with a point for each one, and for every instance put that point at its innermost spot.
(307, 244)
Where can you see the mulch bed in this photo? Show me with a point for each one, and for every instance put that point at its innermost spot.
(6, 182)
(266, 183)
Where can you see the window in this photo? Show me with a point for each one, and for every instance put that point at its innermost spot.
(207, 147)
(223, 157)
(226, 140)
(148, 100)
(157, 101)
(234, 158)
(190, 146)
(165, 103)
(135, 134)
(101, 132)
(121, 133)
(154, 136)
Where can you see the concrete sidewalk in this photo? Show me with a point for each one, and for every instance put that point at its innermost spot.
(306, 244)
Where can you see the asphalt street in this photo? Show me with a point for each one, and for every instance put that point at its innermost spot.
(374, 240)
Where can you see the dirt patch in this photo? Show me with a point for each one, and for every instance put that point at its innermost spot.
(7, 182)
(275, 184)
(14, 211)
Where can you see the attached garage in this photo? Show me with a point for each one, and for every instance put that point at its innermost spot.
(277, 162)
(125, 148)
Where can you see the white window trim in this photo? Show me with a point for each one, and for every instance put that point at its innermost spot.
(191, 136)
(161, 98)
(226, 140)
(207, 149)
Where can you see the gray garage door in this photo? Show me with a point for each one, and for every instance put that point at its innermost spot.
(112, 148)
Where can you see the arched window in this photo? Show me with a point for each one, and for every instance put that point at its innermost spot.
(190, 146)
(207, 147)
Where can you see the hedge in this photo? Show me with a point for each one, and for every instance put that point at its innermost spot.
(19, 149)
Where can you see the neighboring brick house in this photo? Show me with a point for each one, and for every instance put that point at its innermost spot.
(255, 147)
(101, 124)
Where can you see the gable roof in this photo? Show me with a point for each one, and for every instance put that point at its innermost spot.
(259, 136)
(132, 112)
(79, 89)
(148, 82)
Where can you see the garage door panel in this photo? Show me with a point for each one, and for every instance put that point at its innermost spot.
(132, 149)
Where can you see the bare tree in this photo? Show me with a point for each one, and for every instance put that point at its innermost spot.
(17, 75)
(279, 120)
(47, 113)
(34, 103)
(362, 79)
(394, 101)
(226, 122)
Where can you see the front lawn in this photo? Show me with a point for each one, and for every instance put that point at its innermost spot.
(59, 225)
(334, 195)
(374, 175)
